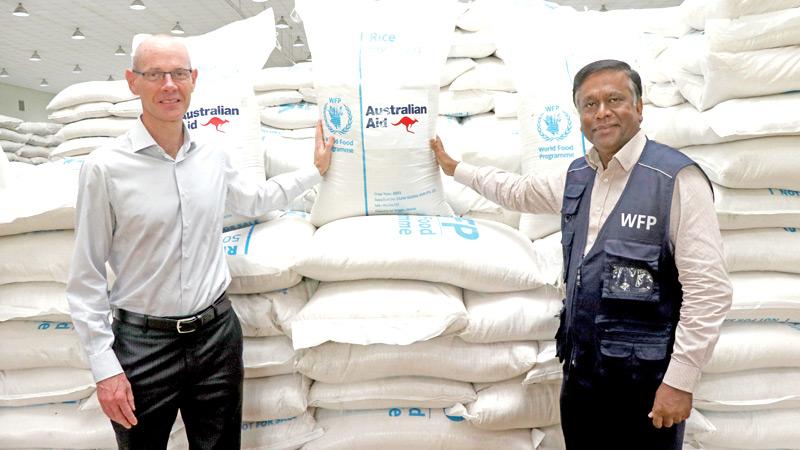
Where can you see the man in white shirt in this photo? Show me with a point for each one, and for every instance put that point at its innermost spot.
(151, 205)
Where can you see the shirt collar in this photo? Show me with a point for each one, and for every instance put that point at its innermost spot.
(141, 138)
(627, 156)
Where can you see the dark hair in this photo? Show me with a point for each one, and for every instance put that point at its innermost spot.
(608, 64)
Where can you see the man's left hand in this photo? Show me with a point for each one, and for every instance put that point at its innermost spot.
(671, 406)
(322, 150)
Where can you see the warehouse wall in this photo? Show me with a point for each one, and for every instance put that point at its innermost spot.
(35, 102)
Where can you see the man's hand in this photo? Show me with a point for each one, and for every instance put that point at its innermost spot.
(116, 399)
(322, 150)
(671, 406)
(447, 163)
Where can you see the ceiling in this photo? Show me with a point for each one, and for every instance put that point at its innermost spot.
(108, 24)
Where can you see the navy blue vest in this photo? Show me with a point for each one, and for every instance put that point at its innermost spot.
(623, 297)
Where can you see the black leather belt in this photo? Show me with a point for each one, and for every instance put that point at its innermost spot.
(181, 325)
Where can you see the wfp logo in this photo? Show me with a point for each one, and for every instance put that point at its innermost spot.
(217, 122)
(554, 123)
(338, 117)
(406, 122)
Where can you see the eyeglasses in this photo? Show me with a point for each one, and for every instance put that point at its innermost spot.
(155, 75)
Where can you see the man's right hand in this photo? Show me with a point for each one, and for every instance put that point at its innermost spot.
(447, 163)
(116, 399)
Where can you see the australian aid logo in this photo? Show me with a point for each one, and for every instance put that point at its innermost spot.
(403, 117)
(211, 118)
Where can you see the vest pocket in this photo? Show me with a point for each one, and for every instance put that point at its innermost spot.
(630, 271)
(572, 198)
(630, 350)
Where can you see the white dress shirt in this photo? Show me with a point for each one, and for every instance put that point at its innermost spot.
(157, 221)
(693, 233)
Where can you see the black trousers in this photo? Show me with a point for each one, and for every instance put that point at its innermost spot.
(602, 415)
(199, 373)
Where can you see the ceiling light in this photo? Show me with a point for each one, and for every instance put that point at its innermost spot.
(20, 11)
(298, 42)
(77, 69)
(281, 24)
(177, 29)
(120, 51)
(78, 35)
(4, 74)
(35, 56)
(110, 78)
(138, 5)
(44, 83)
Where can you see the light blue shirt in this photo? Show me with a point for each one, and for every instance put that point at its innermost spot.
(158, 224)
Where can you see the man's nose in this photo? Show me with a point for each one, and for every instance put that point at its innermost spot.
(168, 83)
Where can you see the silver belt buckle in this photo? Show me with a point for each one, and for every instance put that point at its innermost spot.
(187, 321)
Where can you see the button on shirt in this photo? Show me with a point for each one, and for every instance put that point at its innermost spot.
(157, 221)
(693, 233)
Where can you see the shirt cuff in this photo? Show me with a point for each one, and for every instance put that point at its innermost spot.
(464, 173)
(104, 365)
(682, 376)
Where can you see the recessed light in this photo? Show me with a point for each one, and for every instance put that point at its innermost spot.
(20, 11)
(78, 35)
(35, 56)
(177, 29)
(138, 5)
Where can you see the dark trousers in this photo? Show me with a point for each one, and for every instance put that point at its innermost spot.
(199, 373)
(600, 416)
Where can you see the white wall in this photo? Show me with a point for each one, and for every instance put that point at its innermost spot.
(35, 102)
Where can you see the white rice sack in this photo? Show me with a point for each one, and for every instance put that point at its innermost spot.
(106, 126)
(471, 44)
(755, 32)
(495, 214)
(455, 67)
(401, 392)
(131, 108)
(473, 254)
(268, 356)
(31, 345)
(474, 17)
(43, 256)
(510, 404)
(57, 425)
(739, 75)
(290, 116)
(488, 140)
(547, 368)
(382, 119)
(364, 312)
(38, 128)
(769, 162)
(309, 94)
(759, 116)
(283, 78)
(34, 301)
(407, 428)
(512, 316)
(270, 313)
(749, 390)
(45, 141)
(548, 438)
(91, 91)
(275, 98)
(683, 125)
(771, 249)
(260, 257)
(444, 357)
(14, 136)
(275, 397)
(663, 95)
(80, 146)
(273, 434)
(45, 385)
(506, 104)
(10, 146)
(489, 74)
(33, 151)
(748, 346)
(284, 154)
(9, 122)
(79, 112)
(765, 297)
(753, 429)
(464, 103)
(756, 208)
(698, 12)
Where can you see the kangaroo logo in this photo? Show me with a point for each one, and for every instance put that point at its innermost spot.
(407, 121)
(217, 122)
(554, 124)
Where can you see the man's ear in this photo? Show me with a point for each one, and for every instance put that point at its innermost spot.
(130, 77)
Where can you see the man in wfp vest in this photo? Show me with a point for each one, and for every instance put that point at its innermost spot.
(646, 287)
